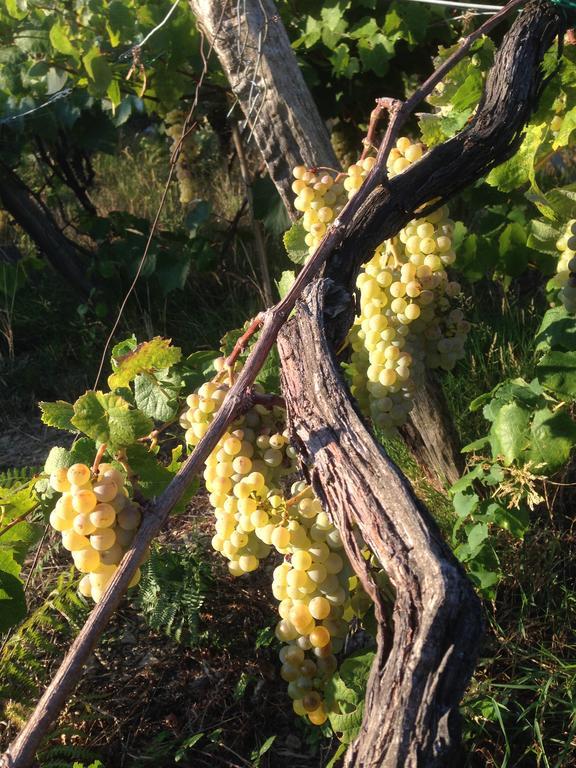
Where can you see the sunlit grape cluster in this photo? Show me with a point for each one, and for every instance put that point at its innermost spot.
(97, 521)
(565, 278)
(254, 516)
(320, 197)
(242, 475)
(313, 587)
(407, 321)
(174, 129)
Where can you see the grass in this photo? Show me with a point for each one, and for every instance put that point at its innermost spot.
(500, 346)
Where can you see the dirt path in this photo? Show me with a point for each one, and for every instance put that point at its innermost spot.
(27, 442)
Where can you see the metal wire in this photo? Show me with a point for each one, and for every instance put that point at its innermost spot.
(453, 4)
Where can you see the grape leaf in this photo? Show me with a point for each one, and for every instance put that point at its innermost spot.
(81, 452)
(345, 692)
(557, 331)
(147, 357)
(543, 237)
(198, 367)
(60, 39)
(12, 598)
(108, 418)
(553, 436)
(58, 414)
(557, 372)
(153, 477)
(509, 434)
(294, 243)
(285, 283)
(465, 503)
(156, 397)
(520, 168)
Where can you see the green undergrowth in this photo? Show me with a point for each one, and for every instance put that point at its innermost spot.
(500, 346)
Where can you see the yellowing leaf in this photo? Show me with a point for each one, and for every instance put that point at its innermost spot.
(153, 355)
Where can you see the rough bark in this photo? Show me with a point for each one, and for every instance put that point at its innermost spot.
(255, 54)
(37, 222)
(289, 131)
(411, 716)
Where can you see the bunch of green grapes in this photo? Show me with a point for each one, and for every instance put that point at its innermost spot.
(320, 197)
(316, 605)
(407, 321)
(242, 475)
(175, 126)
(97, 521)
(565, 277)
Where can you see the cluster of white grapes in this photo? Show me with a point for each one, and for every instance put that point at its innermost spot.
(406, 321)
(316, 603)
(174, 121)
(565, 278)
(244, 477)
(97, 521)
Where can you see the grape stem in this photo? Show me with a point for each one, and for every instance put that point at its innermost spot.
(382, 104)
(267, 400)
(242, 343)
(98, 458)
(299, 496)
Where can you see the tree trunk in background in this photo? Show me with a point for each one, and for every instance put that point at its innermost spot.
(255, 54)
(288, 129)
(64, 255)
(431, 435)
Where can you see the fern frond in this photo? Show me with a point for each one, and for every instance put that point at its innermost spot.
(174, 587)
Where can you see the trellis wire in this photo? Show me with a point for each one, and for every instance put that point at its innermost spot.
(454, 4)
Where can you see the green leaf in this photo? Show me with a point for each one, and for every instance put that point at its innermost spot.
(58, 458)
(269, 375)
(544, 236)
(476, 445)
(285, 283)
(465, 503)
(512, 248)
(509, 433)
(156, 397)
(557, 331)
(147, 357)
(60, 39)
(562, 139)
(294, 243)
(345, 691)
(123, 348)
(516, 520)
(98, 69)
(467, 479)
(557, 372)
(108, 418)
(519, 170)
(375, 54)
(198, 367)
(153, 477)
(58, 414)
(81, 452)
(12, 598)
(553, 436)
(18, 9)
(477, 535)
